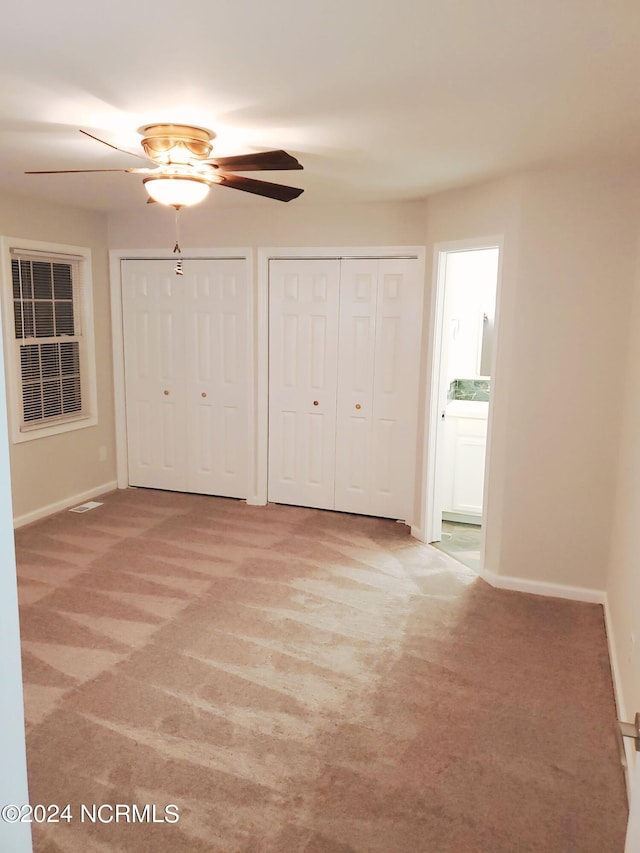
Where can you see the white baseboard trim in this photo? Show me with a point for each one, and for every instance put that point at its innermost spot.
(621, 708)
(553, 590)
(73, 500)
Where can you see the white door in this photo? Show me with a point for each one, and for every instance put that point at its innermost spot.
(378, 371)
(153, 316)
(216, 327)
(185, 346)
(303, 353)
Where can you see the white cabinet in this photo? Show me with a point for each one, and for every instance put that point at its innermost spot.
(343, 383)
(464, 459)
(185, 348)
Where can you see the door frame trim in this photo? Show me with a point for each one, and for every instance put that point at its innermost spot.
(266, 254)
(431, 423)
(116, 256)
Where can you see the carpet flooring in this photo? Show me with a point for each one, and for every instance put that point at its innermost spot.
(297, 680)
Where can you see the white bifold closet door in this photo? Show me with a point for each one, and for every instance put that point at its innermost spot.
(185, 347)
(344, 356)
(303, 357)
(377, 388)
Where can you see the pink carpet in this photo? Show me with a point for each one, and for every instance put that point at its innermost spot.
(298, 680)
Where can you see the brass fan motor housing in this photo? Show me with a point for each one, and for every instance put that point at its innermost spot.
(176, 143)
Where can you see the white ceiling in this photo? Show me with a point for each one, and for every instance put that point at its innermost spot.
(379, 99)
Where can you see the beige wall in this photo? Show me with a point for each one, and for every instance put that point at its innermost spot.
(271, 224)
(48, 470)
(569, 255)
(489, 210)
(566, 373)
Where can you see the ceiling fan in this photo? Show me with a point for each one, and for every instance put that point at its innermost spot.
(183, 171)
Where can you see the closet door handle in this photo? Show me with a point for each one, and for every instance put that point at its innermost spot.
(204, 394)
(166, 393)
(358, 406)
(315, 402)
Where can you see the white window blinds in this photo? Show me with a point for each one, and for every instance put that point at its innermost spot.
(48, 329)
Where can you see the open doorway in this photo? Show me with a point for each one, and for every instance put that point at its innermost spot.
(464, 344)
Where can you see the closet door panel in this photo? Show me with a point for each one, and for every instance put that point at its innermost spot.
(303, 350)
(186, 375)
(154, 366)
(395, 388)
(380, 322)
(352, 325)
(356, 355)
(216, 346)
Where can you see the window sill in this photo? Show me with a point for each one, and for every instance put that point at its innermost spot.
(46, 430)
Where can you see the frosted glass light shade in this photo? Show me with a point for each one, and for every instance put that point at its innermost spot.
(177, 190)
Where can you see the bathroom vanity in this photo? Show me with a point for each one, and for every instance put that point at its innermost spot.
(464, 455)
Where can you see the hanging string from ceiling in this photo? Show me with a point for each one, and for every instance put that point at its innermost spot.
(176, 249)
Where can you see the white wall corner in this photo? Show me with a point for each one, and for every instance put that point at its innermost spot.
(73, 500)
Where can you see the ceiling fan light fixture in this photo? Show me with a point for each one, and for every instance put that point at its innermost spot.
(176, 190)
(183, 172)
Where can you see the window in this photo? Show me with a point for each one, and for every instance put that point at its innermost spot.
(48, 339)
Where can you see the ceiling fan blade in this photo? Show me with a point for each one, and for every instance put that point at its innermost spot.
(80, 171)
(261, 161)
(280, 192)
(115, 148)
(71, 171)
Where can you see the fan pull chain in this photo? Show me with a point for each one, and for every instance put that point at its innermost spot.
(176, 249)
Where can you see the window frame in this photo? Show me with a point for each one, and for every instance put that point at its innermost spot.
(83, 304)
